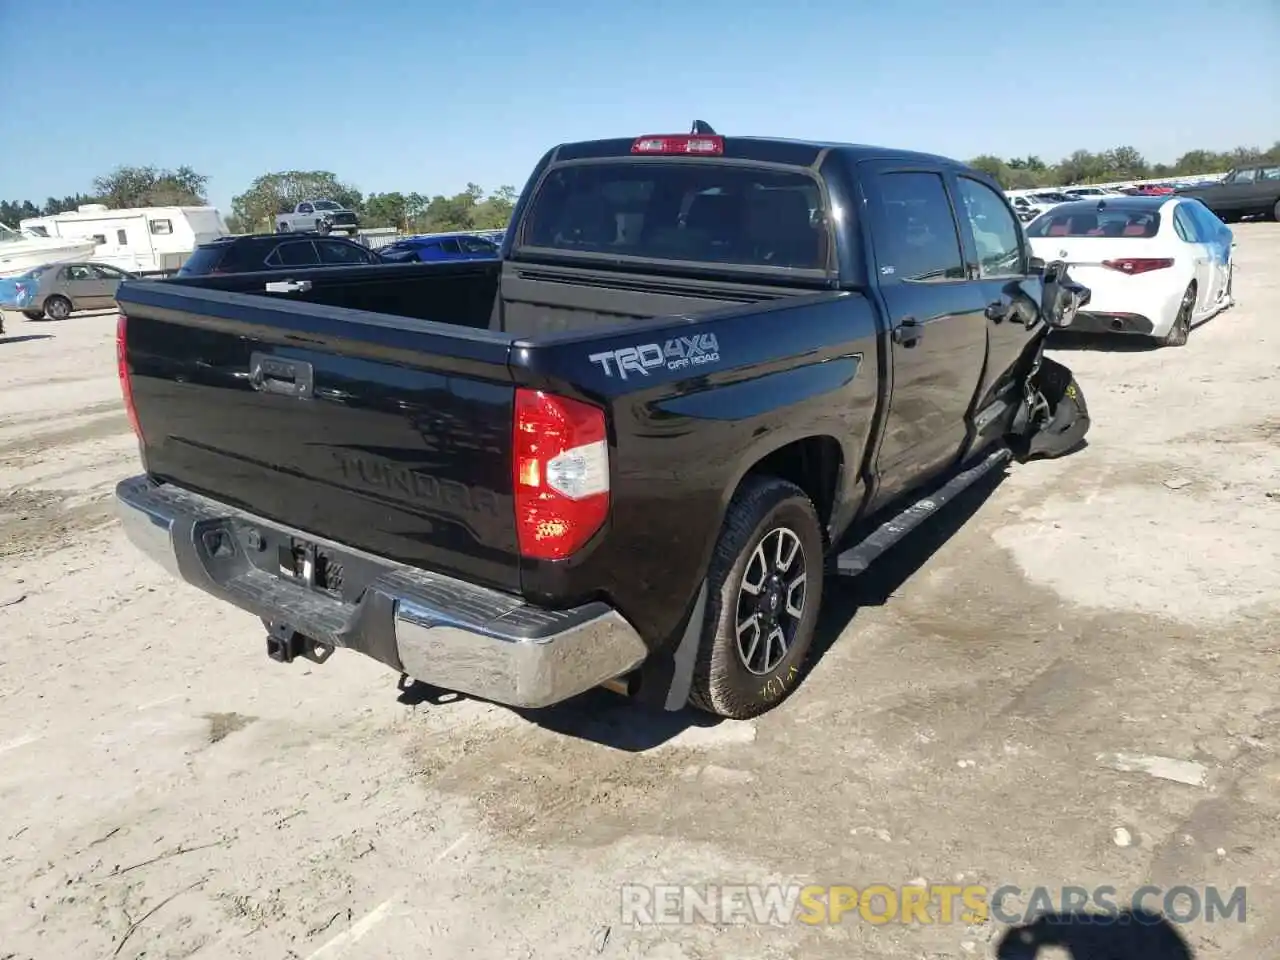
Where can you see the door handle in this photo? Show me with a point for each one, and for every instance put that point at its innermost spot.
(290, 378)
(288, 286)
(909, 332)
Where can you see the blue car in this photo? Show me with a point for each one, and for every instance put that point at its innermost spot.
(433, 248)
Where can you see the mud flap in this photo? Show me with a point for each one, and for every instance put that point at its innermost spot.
(1060, 429)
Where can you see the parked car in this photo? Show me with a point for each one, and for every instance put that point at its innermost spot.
(57, 290)
(1246, 191)
(619, 456)
(1030, 204)
(322, 216)
(270, 251)
(1155, 266)
(1085, 193)
(435, 247)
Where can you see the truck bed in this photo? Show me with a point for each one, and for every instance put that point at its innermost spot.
(375, 405)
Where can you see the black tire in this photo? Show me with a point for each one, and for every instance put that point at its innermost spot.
(1275, 212)
(33, 314)
(57, 307)
(323, 227)
(282, 227)
(1181, 329)
(741, 681)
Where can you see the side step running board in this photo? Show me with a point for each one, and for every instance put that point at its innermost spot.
(857, 558)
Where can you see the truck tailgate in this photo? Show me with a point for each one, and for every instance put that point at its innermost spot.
(385, 434)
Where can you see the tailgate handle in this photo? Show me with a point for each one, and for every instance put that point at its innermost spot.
(288, 286)
(289, 378)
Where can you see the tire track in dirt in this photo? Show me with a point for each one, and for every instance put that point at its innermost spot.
(14, 452)
(38, 522)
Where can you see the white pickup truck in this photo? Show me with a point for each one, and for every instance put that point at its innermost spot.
(322, 216)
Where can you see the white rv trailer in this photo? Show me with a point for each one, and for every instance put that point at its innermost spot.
(142, 240)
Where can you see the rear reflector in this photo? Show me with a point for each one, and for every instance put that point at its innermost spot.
(122, 369)
(1132, 265)
(560, 463)
(689, 144)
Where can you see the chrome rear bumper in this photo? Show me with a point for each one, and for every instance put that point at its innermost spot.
(436, 629)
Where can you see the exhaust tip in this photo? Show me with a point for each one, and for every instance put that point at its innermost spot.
(1117, 323)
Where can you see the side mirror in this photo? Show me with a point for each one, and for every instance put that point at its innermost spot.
(1062, 297)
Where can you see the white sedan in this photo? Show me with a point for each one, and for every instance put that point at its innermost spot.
(1156, 266)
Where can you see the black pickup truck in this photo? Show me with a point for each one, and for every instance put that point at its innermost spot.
(705, 372)
(1252, 190)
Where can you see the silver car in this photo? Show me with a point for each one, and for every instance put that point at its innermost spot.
(59, 289)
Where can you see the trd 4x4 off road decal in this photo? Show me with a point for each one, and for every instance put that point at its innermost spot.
(679, 353)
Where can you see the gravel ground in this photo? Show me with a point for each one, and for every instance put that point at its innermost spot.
(1070, 680)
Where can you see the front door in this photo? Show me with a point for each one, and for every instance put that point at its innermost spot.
(937, 328)
(995, 251)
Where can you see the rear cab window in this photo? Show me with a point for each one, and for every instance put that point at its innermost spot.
(203, 260)
(695, 211)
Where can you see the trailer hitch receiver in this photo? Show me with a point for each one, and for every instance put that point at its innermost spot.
(284, 644)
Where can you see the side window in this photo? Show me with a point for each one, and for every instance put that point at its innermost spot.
(105, 272)
(306, 208)
(475, 245)
(1269, 173)
(99, 238)
(995, 230)
(450, 246)
(1210, 227)
(921, 242)
(122, 238)
(299, 253)
(161, 227)
(80, 272)
(1243, 176)
(1184, 224)
(335, 252)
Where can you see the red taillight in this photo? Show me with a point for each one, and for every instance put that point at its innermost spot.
(695, 144)
(560, 464)
(122, 368)
(1132, 265)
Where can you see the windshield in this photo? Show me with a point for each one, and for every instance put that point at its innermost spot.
(697, 211)
(327, 205)
(1088, 221)
(8, 234)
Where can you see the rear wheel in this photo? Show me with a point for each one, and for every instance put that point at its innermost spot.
(57, 307)
(1275, 211)
(1181, 329)
(764, 589)
(323, 227)
(33, 314)
(282, 227)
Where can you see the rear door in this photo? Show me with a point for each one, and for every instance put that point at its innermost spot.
(938, 330)
(293, 254)
(1189, 232)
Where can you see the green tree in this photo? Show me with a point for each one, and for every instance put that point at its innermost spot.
(274, 193)
(151, 187)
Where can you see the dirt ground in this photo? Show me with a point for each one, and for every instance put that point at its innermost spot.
(1071, 679)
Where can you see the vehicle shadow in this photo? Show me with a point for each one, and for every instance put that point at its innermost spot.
(1128, 935)
(1102, 342)
(608, 719)
(843, 596)
(23, 338)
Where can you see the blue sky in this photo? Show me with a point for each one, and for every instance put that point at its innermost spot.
(427, 95)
